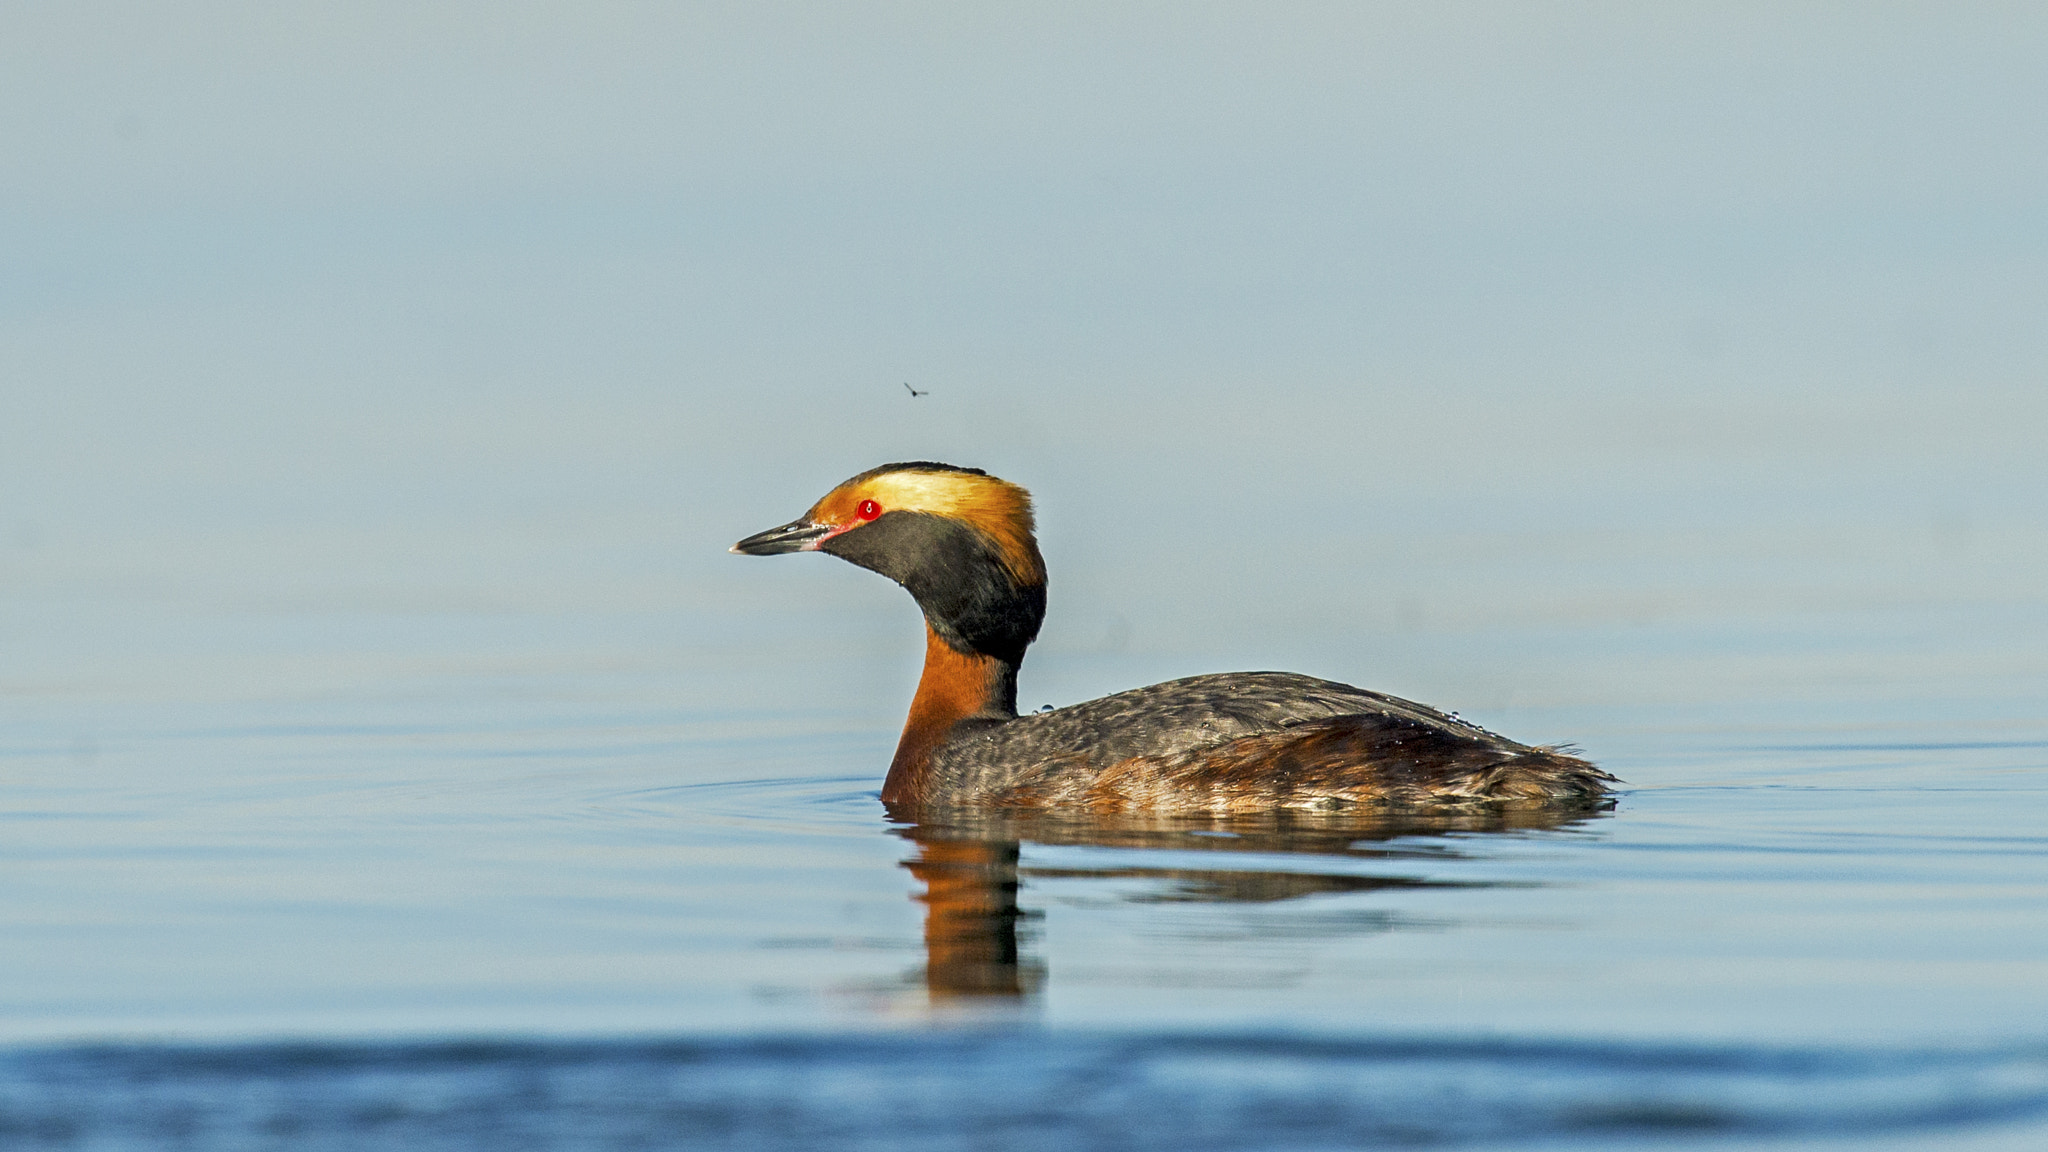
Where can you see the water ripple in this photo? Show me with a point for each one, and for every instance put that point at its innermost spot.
(1013, 1089)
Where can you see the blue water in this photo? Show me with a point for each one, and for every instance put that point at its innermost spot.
(391, 754)
(1013, 1090)
(463, 931)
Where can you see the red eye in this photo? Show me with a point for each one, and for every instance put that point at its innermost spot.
(868, 510)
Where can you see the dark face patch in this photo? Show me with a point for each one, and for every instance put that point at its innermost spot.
(956, 574)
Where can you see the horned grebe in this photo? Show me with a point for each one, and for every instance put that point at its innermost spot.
(961, 542)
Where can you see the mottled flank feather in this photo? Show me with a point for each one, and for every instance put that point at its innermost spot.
(1351, 761)
(1249, 742)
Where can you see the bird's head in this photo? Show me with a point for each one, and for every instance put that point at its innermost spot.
(959, 539)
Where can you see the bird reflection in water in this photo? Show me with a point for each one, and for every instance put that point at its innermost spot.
(971, 933)
(976, 934)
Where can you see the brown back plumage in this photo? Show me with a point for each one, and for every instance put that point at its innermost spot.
(1248, 742)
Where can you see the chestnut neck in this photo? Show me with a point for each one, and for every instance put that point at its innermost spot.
(956, 686)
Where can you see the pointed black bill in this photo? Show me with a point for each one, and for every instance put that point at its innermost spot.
(795, 536)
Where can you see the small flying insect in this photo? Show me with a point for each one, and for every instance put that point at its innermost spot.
(914, 393)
